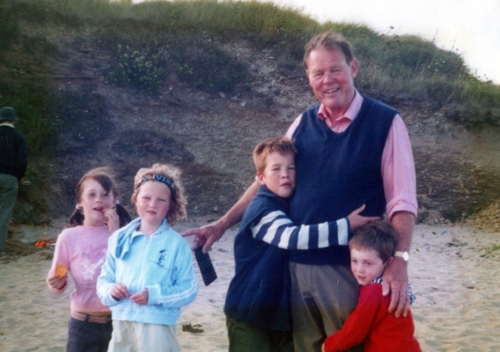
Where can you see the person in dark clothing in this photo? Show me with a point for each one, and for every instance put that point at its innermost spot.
(13, 163)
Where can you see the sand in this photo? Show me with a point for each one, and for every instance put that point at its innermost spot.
(454, 272)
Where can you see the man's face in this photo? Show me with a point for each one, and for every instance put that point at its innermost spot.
(332, 79)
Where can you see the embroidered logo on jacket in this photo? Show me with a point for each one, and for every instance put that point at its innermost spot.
(161, 258)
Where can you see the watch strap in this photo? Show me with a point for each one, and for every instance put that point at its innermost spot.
(404, 255)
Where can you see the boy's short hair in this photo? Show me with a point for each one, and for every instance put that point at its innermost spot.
(379, 236)
(281, 145)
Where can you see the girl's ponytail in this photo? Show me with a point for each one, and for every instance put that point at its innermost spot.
(123, 215)
(76, 219)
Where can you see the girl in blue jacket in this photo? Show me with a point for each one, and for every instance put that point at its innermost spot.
(148, 274)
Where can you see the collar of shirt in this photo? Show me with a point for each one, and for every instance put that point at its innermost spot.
(7, 124)
(340, 124)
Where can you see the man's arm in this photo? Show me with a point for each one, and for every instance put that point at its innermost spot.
(208, 234)
(395, 276)
(398, 173)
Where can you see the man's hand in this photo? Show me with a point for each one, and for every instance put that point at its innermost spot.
(395, 278)
(207, 235)
(395, 281)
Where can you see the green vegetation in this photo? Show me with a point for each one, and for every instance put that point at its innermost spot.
(149, 41)
(203, 66)
(138, 68)
(492, 248)
(30, 103)
(394, 66)
(397, 66)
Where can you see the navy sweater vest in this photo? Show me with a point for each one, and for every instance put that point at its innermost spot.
(338, 172)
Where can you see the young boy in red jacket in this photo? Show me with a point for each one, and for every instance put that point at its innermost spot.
(372, 248)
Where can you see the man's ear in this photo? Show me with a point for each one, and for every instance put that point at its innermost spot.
(354, 68)
(260, 179)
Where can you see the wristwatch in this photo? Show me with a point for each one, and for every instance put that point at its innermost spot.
(403, 255)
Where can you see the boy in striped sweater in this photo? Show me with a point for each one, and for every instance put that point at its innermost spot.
(257, 304)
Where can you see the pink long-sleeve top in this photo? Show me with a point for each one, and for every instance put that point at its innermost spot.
(398, 167)
(83, 250)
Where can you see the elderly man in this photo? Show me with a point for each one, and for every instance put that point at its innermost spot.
(353, 150)
(13, 163)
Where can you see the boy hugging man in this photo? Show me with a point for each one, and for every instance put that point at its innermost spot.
(257, 304)
(372, 248)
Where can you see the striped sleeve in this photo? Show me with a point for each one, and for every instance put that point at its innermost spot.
(278, 230)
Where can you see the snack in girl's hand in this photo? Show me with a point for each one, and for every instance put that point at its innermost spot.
(61, 271)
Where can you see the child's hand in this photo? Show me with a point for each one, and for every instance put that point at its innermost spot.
(56, 282)
(141, 298)
(119, 291)
(112, 219)
(357, 220)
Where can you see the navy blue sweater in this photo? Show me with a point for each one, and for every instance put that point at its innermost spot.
(338, 172)
(259, 292)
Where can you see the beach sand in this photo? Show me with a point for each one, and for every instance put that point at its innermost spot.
(453, 270)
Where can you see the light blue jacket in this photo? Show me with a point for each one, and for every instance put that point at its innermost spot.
(162, 263)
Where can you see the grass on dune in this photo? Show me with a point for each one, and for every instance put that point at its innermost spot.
(153, 39)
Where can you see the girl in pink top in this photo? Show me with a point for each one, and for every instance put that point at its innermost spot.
(81, 250)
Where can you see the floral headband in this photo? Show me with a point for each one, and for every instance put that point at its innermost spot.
(160, 178)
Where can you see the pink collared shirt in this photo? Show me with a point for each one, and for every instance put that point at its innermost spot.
(398, 167)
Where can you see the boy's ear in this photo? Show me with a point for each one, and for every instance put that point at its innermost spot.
(260, 179)
(389, 261)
